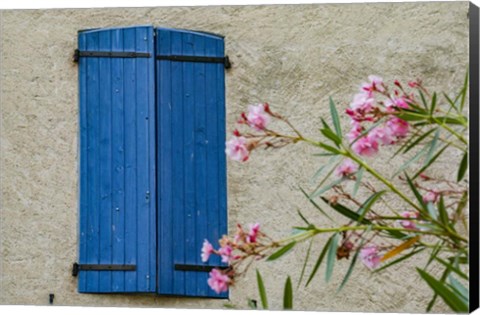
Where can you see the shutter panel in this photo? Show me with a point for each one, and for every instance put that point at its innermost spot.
(117, 160)
(191, 160)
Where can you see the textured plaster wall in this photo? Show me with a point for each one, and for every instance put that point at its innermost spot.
(294, 57)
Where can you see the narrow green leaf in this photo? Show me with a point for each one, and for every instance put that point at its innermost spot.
(449, 297)
(315, 204)
(442, 211)
(302, 217)
(411, 115)
(365, 207)
(417, 141)
(463, 167)
(432, 147)
(434, 253)
(451, 103)
(432, 211)
(430, 162)
(261, 291)
(433, 105)
(328, 148)
(288, 295)
(349, 271)
(359, 176)
(416, 193)
(460, 288)
(252, 304)
(331, 135)
(424, 101)
(415, 158)
(336, 120)
(446, 272)
(331, 256)
(463, 93)
(305, 263)
(282, 251)
(452, 268)
(398, 260)
(319, 261)
(322, 168)
(323, 189)
(346, 212)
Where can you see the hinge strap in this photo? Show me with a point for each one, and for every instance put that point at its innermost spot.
(182, 267)
(101, 267)
(111, 54)
(225, 60)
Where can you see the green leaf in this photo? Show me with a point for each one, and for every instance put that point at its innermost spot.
(288, 295)
(365, 207)
(446, 272)
(252, 304)
(328, 148)
(331, 135)
(432, 211)
(424, 101)
(323, 189)
(322, 168)
(417, 141)
(302, 217)
(346, 212)
(331, 256)
(434, 253)
(282, 251)
(315, 204)
(430, 162)
(336, 120)
(359, 176)
(319, 261)
(305, 263)
(415, 158)
(463, 167)
(349, 271)
(442, 211)
(261, 291)
(434, 103)
(452, 268)
(398, 260)
(448, 296)
(416, 193)
(408, 115)
(459, 288)
(463, 92)
(433, 146)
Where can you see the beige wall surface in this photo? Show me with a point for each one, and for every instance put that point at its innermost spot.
(292, 56)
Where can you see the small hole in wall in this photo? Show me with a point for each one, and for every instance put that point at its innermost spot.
(51, 296)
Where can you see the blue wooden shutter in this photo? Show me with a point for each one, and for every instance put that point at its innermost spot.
(191, 159)
(117, 160)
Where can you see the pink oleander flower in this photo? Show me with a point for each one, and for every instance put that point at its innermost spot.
(257, 117)
(226, 253)
(236, 149)
(430, 196)
(375, 84)
(346, 168)
(362, 101)
(399, 127)
(382, 135)
(400, 102)
(409, 224)
(253, 234)
(218, 281)
(370, 257)
(207, 250)
(365, 146)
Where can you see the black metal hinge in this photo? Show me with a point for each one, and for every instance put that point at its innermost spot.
(225, 60)
(182, 267)
(101, 267)
(111, 54)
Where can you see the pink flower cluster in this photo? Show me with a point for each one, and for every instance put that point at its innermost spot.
(258, 117)
(370, 256)
(346, 169)
(409, 224)
(366, 109)
(231, 251)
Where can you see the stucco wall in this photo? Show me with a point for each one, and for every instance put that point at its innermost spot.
(293, 56)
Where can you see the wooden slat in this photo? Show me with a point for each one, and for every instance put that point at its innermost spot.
(164, 175)
(105, 161)
(132, 172)
(189, 98)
